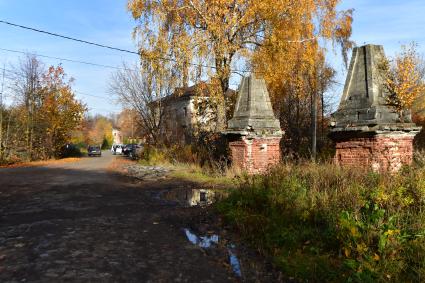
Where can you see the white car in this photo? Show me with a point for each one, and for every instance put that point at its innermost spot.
(117, 149)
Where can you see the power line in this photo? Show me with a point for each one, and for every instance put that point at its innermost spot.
(69, 38)
(65, 59)
(111, 47)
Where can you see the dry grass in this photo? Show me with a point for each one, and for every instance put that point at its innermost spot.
(322, 223)
(194, 173)
(42, 162)
(118, 164)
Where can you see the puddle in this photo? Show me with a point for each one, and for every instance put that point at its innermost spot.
(212, 241)
(201, 241)
(234, 261)
(193, 197)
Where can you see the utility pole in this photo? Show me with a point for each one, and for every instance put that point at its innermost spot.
(132, 127)
(1, 114)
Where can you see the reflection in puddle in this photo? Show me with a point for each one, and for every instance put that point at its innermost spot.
(202, 241)
(192, 197)
(234, 261)
(209, 241)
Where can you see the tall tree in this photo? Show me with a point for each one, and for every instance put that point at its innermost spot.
(201, 32)
(60, 112)
(27, 84)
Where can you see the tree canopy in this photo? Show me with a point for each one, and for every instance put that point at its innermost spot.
(197, 33)
(404, 79)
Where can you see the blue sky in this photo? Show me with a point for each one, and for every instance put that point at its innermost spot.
(387, 22)
(390, 23)
(103, 21)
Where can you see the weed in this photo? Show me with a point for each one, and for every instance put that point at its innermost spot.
(325, 223)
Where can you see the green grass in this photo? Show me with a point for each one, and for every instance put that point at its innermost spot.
(193, 173)
(185, 165)
(321, 223)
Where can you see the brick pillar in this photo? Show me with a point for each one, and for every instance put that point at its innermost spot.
(255, 155)
(381, 152)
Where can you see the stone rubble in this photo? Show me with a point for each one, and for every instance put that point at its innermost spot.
(146, 172)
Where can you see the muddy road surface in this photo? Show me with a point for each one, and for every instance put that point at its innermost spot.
(82, 222)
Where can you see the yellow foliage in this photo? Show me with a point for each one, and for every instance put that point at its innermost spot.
(403, 79)
(273, 36)
(376, 257)
(59, 109)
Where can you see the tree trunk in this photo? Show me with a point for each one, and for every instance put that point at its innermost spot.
(6, 142)
(314, 126)
(322, 104)
(185, 75)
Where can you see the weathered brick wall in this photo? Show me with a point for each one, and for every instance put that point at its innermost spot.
(255, 155)
(381, 153)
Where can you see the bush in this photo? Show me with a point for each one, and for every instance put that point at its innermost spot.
(208, 151)
(69, 150)
(151, 155)
(324, 223)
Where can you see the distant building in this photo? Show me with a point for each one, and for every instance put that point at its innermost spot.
(117, 136)
(181, 115)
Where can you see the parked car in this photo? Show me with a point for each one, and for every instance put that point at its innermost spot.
(117, 149)
(127, 149)
(94, 150)
(130, 150)
(138, 151)
(135, 152)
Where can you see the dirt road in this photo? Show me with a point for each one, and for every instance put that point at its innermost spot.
(79, 222)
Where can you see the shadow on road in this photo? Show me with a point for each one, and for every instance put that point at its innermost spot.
(80, 222)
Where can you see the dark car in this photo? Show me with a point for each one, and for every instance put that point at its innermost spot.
(135, 152)
(94, 150)
(130, 150)
(126, 149)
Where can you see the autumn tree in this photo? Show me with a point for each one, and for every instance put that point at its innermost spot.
(403, 78)
(43, 115)
(292, 60)
(130, 125)
(60, 112)
(197, 33)
(95, 130)
(26, 87)
(101, 132)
